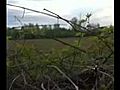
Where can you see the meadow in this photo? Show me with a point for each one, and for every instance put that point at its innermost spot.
(49, 44)
(46, 63)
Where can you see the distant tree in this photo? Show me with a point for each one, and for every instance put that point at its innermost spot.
(31, 25)
(37, 26)
(50, 27)
(88, 17)
(74, 20)
(56, 26)
(82, 21)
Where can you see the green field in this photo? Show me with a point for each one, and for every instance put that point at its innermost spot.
(48, 44)
(35, 63)
(42, 44)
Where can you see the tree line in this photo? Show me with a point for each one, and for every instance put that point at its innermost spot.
(32, 31)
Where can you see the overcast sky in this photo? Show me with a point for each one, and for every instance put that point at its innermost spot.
(102, 11)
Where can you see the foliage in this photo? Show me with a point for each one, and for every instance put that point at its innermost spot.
(30, 32)
(32, 64)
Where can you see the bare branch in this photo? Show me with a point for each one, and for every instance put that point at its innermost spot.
(53, 82)
(32, 10)
(18, 20)
(18, 65)
(42, 86)
(70, 45)
(106, 74)
(57, 16)
(34, 87)
(24, 77)
(76, 87)
(105, 43)
(13, 81)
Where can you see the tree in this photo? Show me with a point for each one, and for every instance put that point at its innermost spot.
(37, 26)
(74, 20)
(31, 25)
(88, 17)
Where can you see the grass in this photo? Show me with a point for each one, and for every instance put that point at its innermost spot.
(43, 44)
(47, 44)
(38, 61)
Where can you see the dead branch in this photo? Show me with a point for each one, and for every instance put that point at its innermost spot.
(53, 82)
(42, 86)
(34, 87)
(55, 16)
(13, 81)
(55, 67)
(106, 44)
(70, 45)
(107, 75)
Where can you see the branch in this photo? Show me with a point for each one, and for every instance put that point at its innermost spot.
(53, 82)
(13, 81)
(34, 87)
(32, 10)
(76, 87)
(24, 77)
(26, 83)
(22, 64)
(18, 20)
(106, 58)
(42, 86)
(105, 43)
(57, 16)
(70, 45)
(69, 22)
(106, 74)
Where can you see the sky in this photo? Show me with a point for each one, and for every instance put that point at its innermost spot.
(102, 11)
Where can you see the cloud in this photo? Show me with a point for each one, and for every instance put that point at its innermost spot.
(12, 1)
(103, 21)
(102, 10)
(39, 0)
(10, 16)
(40, 19)
(104, 16)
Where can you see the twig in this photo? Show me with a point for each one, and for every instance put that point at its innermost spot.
(70, 45)
(69, 22)
(106, 58)
(106, 74)
(19, 20)
(42, 86)
(23, 13)
(34, 87)
(24, 77)
(96, 75)
(31, 10)
(13, 81)
(76, 87)
(105, 43)
(18, 65)
(53, 82)
(26, 83)
(109, 84)
(57, 16)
